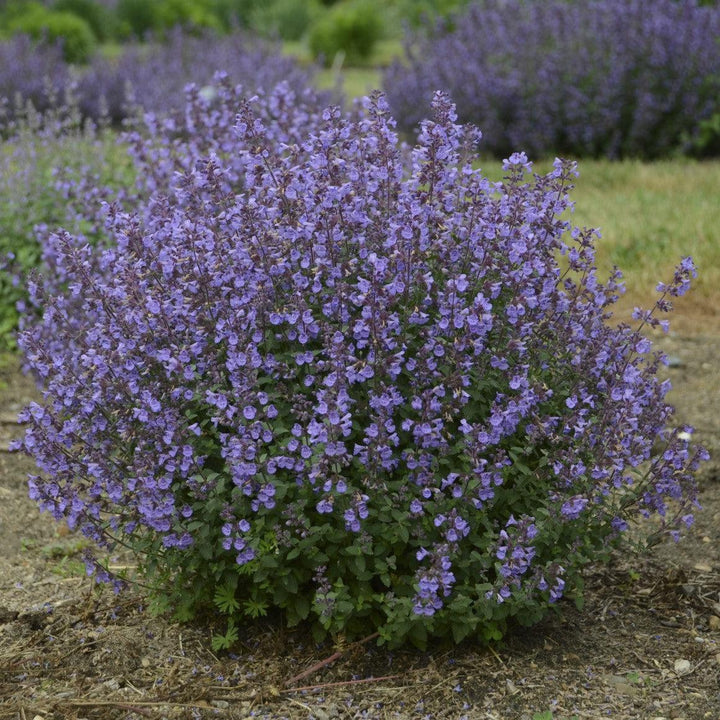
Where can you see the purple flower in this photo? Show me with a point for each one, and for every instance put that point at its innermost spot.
(572, 507)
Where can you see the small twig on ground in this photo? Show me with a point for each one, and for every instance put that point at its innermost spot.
(323, 686)
(497, 657)
(328, 660)
(139, 707)
(131, 707)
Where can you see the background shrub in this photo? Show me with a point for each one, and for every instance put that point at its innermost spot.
(141, 78)
(138, 17)
(308, 376)
(191, 15)
(99, 18)
(705, 142)
(233, 14)
(351, 28)
(418, 12)
(72, 32)
(286, 19)
(612, 78)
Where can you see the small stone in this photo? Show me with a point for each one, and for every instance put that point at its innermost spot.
(220, 704)
(682, 666)
(714, 622)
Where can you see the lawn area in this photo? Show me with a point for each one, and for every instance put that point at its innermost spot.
(649, 215)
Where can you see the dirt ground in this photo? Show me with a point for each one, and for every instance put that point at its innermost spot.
(646, 645)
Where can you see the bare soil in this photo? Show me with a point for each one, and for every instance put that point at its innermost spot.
(646, 645)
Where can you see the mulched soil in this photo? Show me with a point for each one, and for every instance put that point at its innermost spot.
(645, 646)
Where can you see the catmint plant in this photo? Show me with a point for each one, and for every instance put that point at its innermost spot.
(610, 78)
(379, 395)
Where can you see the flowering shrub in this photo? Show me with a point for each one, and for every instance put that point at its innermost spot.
(349, 29)
(311, 380)
(594, 78)
(71, 32)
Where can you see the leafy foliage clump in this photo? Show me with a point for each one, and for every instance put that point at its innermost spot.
(349, 30)
(321, 372)
(610, 78)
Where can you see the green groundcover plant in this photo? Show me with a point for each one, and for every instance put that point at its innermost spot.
(355, 382)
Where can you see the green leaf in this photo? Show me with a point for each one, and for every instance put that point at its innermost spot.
(300, 610)
(418, 635)
(226, 641)
(225, 600)
(255, 608)
(460, 631)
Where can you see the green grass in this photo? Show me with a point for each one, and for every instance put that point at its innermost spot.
(649, 214)
(354, 81)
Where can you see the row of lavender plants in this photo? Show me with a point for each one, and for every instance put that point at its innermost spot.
(142, 79)
(312, 369)
(608, 78)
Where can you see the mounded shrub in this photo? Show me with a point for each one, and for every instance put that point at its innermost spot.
(286, 19)
(154, 79)
(348, 28)
(99, 18)
(705, 141)
(307, 375)
(418, 12)
(150, 79)
(139, 18)
(233, 14)
(191, 15)
(589, 78)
